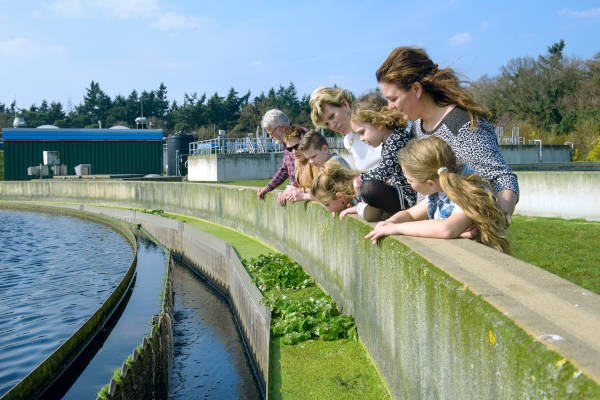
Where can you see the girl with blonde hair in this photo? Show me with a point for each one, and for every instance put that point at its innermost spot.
(384, 186)
(435, 101)
(331, 108)
(334, 187)
(456, 198)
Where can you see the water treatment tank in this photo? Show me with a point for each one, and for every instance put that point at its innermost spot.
(177, 151)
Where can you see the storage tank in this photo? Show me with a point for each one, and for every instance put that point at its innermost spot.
(177, 151)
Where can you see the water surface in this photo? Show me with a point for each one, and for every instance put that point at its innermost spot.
(55, 272)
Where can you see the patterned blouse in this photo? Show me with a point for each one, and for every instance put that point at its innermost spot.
(388, 170)
(477, 148)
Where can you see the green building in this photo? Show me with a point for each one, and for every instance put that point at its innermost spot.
(108, 151)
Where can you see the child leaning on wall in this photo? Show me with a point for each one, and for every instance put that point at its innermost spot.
(314, 147)
(305, 172)
(335, 187)
(456, 198)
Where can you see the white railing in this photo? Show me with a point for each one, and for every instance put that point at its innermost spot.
(234, 146)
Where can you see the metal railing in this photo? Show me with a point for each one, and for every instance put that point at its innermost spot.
(234, 146)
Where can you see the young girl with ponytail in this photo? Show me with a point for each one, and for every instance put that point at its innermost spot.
(456, 198)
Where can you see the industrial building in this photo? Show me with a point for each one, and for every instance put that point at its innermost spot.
(113, 151)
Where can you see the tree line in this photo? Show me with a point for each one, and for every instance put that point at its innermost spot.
(198, 114)
(552, 97)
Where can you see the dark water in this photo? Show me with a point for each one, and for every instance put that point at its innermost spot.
(132, 325)
(55, 271)
(210, 361)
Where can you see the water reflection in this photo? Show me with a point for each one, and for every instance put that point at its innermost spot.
(210, 361)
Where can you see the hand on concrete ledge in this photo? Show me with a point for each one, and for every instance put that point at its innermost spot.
(281, 198)
(294, 194)
(351, 210)
(260, 192)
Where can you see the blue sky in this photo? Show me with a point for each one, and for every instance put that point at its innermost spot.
(53, 49)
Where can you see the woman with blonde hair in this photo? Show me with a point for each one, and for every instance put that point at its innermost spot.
(331, 108)
(456, 198)
(438, 105)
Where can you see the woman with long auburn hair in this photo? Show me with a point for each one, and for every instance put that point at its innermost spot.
(438, 105)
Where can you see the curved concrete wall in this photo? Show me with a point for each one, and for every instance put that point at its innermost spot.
(38, 380)
(442, 319)
(572, 194)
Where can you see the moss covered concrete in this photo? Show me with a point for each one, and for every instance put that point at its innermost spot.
(441, 319)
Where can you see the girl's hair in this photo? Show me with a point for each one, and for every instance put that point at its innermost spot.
(294, 131)
(334, 178)
(407, 65)
(322, 96)
(372, 109)
(421, 159)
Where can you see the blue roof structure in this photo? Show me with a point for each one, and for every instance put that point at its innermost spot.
(31, 134)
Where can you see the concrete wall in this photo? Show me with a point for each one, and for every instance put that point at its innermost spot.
(146, 374)
(572, 194)
(445, 319)
(231, 167)
(515, 154)
(218, 261)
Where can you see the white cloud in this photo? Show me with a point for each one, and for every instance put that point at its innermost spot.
(19, 47)
(460, 39)
(173, 22)
(69, 8)
(592, 12)
(23, 47)
(118, 9)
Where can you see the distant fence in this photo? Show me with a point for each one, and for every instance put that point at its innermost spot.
(246, 145)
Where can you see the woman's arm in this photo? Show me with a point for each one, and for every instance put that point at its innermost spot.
(507, 200)
(448, 228)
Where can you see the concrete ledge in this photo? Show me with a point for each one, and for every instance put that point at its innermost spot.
(442, 319)
(38, 380)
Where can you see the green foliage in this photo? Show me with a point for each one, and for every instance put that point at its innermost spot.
(313, 318)
(160, 213)
(594, 154)
(200, 115)
(103, 393)
(277, 272)
(556, 94)
(297, 319)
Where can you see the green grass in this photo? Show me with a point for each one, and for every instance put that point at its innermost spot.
(567, 248)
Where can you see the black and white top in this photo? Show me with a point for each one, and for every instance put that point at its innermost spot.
(477, 148)
(389, 170)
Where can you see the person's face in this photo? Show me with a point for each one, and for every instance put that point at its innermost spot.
(292, 146)
(337, 118)
(275, 133)
(338, 204)
(404, 101)
(369, 134)
(426, 188)
(317, 156)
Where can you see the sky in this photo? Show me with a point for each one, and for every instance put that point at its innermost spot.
(53, 49)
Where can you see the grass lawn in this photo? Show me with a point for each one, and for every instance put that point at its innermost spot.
(567, 248)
